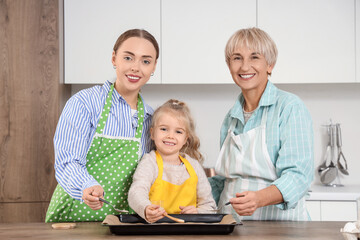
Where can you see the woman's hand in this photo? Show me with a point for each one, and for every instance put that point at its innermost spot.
(154, 213)
(245, 203)
(188, 210)
(91, 197)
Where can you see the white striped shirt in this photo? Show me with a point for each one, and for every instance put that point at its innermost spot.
(76, 128)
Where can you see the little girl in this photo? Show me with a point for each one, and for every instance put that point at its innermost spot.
(171, 173)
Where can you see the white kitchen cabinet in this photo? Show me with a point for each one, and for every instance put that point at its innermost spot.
(314, 210)
(357, 3)
(315, 39)
(338, 211)
(91, 28)
(332, 210)
(194, 35)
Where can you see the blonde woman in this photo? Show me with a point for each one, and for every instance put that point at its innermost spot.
(172, 172)
(265, 165)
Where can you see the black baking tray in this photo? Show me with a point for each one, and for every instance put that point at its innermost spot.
(195, 224)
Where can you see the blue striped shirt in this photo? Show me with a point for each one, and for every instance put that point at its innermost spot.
(77, 126)
(289, 139)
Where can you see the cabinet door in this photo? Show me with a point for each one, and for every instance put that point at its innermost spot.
(314, 211)
(91, 28)
(338, 211)
(357, 3)
(315, 39)
(194, 35)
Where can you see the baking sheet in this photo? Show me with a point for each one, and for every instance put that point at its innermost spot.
(195, 224)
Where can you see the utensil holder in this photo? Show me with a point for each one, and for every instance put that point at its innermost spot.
(329, 169)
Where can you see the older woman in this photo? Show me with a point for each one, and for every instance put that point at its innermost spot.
(265, 166)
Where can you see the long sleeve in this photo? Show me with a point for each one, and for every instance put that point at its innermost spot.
(144, 176)
(71, 143)
(295, 164)
(217, 186)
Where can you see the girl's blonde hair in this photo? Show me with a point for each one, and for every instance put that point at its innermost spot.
(182, 112)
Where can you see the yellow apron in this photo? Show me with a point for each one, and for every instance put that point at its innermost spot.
(171, 195)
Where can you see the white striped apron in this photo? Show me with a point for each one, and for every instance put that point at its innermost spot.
(245, 163)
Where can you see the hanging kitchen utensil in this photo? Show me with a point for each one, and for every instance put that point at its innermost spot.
(330, 173)
(342, 169)
(327, 155)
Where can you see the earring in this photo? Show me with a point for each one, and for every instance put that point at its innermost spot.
(152, 74)
(114, 67)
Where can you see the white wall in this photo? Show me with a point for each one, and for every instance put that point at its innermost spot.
(210, 103)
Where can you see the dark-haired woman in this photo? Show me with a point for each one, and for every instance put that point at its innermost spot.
(102, 133)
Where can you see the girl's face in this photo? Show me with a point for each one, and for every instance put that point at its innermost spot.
(169, 134)
(135, 60)
(249, 69)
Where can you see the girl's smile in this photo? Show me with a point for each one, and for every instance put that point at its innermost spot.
(169, 135)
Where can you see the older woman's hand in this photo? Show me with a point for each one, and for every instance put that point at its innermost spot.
(245, 203)
(91, 197)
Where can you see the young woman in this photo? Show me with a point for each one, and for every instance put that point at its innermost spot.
(265, 166)
(171, 173)
(102, 133)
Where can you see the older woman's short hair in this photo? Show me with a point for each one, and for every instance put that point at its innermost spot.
(254, 39)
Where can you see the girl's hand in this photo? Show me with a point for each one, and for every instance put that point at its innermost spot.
(188, 210)
(154, 213)
(91, 197)
(245, 203)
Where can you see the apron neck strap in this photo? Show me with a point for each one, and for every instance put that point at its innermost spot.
(106, 110)
(140, 109)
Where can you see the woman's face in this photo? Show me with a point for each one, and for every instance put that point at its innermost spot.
(249, 69)
(135, 60)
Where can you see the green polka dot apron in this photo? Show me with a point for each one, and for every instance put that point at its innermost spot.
(112, 162)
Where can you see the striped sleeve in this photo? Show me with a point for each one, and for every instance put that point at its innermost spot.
(71, 142)
(294, 164)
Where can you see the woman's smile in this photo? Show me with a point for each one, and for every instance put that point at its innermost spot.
(133, 78)
(246, 76)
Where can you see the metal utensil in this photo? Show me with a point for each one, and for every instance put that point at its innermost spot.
(323, 165)
(342, 169)
(118, 210)
(330, 173)
(219, 208)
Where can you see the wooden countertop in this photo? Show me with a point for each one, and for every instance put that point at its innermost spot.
(254, 230)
